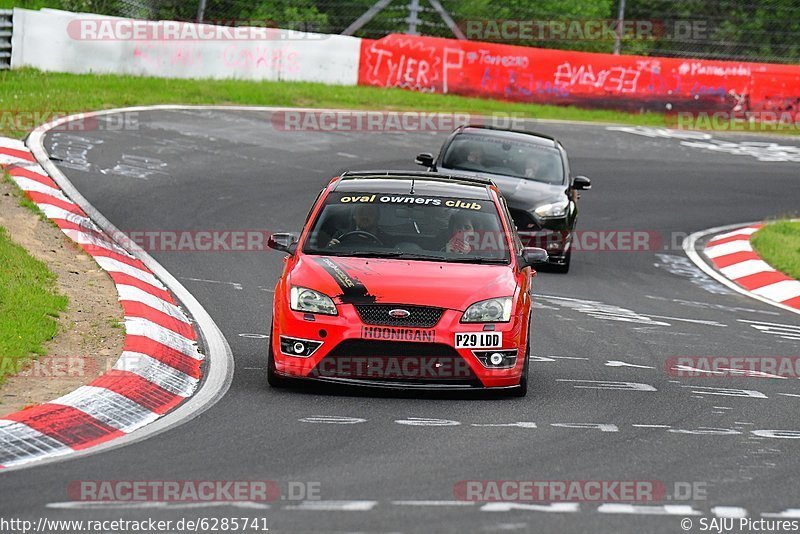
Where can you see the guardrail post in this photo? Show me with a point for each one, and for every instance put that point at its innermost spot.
(6, 24)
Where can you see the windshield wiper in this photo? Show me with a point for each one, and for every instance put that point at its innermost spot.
(486, 261)
(373, 253)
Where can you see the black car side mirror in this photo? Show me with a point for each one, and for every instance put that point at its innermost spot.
(425, 159)
(283, 242)
(581, 183)
(533, 256)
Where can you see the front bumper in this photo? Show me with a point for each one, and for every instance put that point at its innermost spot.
(557, 243)
(352, 352)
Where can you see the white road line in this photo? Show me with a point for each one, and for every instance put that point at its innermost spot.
(664, 509)
(235, 285)
(433, 503)
(615, 363)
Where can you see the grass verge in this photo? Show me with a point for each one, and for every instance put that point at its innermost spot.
(29, 305)
(32, 97)
(28, 92)
(778, 244)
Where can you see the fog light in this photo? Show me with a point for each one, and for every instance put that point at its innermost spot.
(497, 359)
(299, 348)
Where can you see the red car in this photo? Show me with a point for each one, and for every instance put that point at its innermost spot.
(404, 280)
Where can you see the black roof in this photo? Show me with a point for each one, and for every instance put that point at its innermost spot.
(533, 137)
(424, 183)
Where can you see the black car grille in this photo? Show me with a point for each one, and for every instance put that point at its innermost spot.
(420, 316)
(396, 361)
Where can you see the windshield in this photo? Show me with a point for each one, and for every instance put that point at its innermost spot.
(410, 227)
(478, 153)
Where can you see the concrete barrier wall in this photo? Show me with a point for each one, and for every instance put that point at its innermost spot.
(59, 41)
(547, 76)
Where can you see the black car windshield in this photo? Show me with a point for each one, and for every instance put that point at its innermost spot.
(516, 158)
(405, 226)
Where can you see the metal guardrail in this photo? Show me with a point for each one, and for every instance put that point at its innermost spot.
(6, 24)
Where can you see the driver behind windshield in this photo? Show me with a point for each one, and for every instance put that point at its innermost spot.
(461, 230)
(363, 224)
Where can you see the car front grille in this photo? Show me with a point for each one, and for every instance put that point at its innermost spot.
(419, 316)
(396, 362)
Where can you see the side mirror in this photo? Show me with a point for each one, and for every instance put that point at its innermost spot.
(425, 159)
(283, 242)
(533, 256)
(581, 183)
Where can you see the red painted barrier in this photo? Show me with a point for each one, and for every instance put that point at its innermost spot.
(472, 68)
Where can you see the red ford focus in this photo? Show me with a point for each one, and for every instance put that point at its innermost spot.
(404, 280)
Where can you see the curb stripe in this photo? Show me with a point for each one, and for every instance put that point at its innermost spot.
(755, 281)
(22, 154)
(20, 443)
(74, 428)
(159, 373)
(145, 328)
(26, 184)
(122, 258)
(143, 311)
(41, 198)
(731, 247)
(23, 172)
(134, 294)
(733, 255)
(108, 407)
(121, 278)
(164, 354)
(139, 390)
(114, 265)
(732, 259)
(159, 368)
(745, 268)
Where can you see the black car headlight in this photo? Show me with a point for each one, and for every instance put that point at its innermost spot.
(303, 299)
(496, 310)
(553, 209)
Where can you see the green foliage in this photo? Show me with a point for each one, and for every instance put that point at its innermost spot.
(29, 305)
(778, 244)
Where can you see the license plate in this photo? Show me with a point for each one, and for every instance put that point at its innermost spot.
(479, 340)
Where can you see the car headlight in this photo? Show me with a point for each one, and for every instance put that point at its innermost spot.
(303, 299)
(496, 310)
(553, 209)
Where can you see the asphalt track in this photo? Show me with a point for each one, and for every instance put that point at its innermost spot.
(216, 170)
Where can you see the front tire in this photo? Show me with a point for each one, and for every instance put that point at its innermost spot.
(562, 268)
(522, 390)
(273, 379)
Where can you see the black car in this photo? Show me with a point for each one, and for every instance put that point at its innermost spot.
(532, 172)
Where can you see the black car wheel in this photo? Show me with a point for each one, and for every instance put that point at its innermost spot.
(562, 268)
